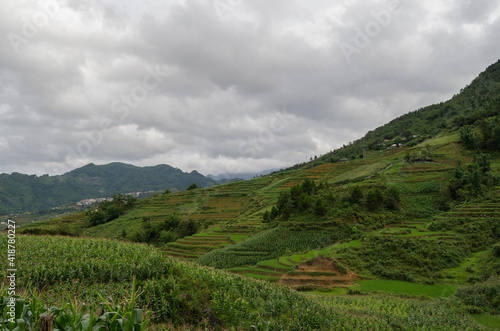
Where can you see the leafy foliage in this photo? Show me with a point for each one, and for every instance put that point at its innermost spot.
(404, 258)
(178, 293)
(20, 193)
(479, 233)
(111, 209)
(474, 181)
(481, 297)
(267, 245)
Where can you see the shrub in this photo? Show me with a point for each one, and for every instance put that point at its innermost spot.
(481, 296)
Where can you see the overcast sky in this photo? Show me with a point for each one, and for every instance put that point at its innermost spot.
(223, 86)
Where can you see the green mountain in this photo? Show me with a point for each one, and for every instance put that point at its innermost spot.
(20, 193)
(474, 104)
(399, 230)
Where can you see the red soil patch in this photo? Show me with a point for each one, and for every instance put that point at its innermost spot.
(322, 272)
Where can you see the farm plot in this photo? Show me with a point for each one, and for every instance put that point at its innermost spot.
(416, 230)
(267, 245)
(321, 272)
(194, 246)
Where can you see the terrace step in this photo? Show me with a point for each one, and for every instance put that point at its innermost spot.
(402, 226)
(256, 271)
(210, 237)
(199, 248)
(273, 268)
(179, 255)
(198, 254)
(269, 279)
(292, 262)
(315, 281)
(201, 243)
(203, 240)
(473, 214)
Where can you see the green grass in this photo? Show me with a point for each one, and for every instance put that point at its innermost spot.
(361, 172)
(284, 261)
(330, 251)
(465, 270)
(263, 277)
(274, 264)
(441, 140)
(254, 270)
(490, 321)
(296, 258)
(353, 243)
(333, 291)
(400, 287)
(238, 238)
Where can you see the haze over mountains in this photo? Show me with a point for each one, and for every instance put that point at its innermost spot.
(20, 192)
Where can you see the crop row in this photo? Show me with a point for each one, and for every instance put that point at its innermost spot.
(267, 245)
(47, 260)
(233, 301)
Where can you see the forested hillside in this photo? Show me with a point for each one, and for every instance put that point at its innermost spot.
(473, 105)
(20, 193)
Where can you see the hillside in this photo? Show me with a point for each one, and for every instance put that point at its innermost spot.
(414, 224)
(20, 193)
(157, 293)
(472, 105)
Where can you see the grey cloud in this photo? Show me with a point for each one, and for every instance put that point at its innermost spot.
(226, 79)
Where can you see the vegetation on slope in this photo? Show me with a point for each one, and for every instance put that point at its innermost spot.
(179, 293)
(20, 193)
(476, 104)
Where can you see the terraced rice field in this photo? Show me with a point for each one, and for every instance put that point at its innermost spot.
(473, 211)
(415, 230)
(194, 246)
(321, 272)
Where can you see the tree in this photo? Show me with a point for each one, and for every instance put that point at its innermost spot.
(295, 194)
(490, 132)
(467, 137)
(171, 223)
(356, 195)
(191, 187)
(274, 213)
(320, 207)
(393, 198)
(266, 216)
(308, 186)
(283, 204)
(374, 199)
(187, 228)
(484, 163)
(304, 202)
(167, 236)
(110, 210)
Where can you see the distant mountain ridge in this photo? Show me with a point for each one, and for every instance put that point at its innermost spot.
(21, 193)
